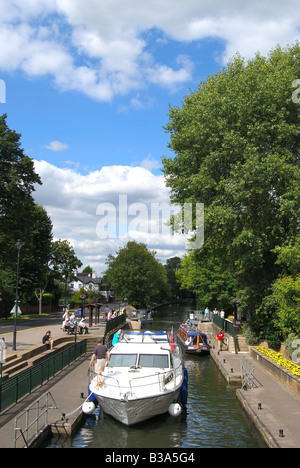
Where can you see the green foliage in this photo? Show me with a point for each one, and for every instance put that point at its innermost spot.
(135, 273)
(20, 218)
(76, 297)
(251, 337)
(47, 298)
(63, 260)
(236, 145)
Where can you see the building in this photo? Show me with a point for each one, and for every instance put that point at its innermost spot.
(91, 283)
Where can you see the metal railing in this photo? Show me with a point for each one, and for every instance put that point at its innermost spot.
(113, 324)
(13, 389)
(227, 327)
(247, 374)
(34, 420)
(142, 381)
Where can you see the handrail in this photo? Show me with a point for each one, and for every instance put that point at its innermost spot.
(228, 327)
(19, 385)
(160, 379)
(33, 427)
(112, 324)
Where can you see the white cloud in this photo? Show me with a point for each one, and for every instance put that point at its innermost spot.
(135, 198)
(150, 163)
(56, 146)
(101, 48)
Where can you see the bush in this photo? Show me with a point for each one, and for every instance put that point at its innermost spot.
(47, 298)
(251, 337)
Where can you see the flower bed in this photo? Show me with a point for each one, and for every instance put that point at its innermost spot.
(284, 370)
(280, 360)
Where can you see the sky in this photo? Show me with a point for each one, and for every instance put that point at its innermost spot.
(88, 84)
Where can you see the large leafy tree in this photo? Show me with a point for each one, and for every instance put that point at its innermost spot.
(63, 261)
(17, 181)
(20, 218)
(236, 149)
(135, 273)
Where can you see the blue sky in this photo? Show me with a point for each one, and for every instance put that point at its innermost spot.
(89, 84)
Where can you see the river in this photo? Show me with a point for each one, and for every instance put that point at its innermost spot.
(212, 418)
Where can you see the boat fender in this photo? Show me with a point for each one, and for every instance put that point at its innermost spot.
(184, 387)
(88, 407)
(175, 409)
(92, 396)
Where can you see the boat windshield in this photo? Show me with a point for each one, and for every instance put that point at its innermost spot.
(145, 360)
(122, 360)
(154, 360)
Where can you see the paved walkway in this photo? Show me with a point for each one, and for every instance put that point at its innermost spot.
(280, 407)
(33, 336)
(66, 387)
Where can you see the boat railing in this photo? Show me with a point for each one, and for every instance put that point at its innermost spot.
(162, 379)
(157, 378)
(93, 375)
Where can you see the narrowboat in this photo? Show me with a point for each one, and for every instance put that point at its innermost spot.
(193, 341)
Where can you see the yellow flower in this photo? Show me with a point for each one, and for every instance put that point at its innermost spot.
(280, 360)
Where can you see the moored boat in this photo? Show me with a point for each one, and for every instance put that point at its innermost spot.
(143, 378)
(192, 340)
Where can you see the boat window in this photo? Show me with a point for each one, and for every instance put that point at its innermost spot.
(154, 360)
(122, 360)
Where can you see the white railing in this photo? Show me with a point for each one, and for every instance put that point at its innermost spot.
(135, 383)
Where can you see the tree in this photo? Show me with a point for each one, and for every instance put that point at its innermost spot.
(18, 179)
(36, 254)
(20, 218)
(236, 142)
(135, 273)
(63, 261)
(285, 297)
(172, 266)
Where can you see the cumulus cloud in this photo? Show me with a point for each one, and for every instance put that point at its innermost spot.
(102, 49)
(101, 211)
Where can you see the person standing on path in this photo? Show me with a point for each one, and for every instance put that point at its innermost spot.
(102, 355)
(220, 337)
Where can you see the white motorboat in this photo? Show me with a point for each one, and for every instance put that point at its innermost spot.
(143, 378)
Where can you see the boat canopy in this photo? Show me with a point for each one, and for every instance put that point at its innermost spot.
(193, 334)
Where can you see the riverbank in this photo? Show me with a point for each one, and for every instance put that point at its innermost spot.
(272, 407)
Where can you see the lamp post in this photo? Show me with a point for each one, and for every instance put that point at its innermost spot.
(18, 245)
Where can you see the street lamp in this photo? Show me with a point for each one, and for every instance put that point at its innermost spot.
(18, 245)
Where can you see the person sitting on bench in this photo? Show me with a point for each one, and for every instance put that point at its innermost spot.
(82, 327)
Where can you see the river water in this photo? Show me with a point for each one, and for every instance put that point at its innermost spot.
(212, 418)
